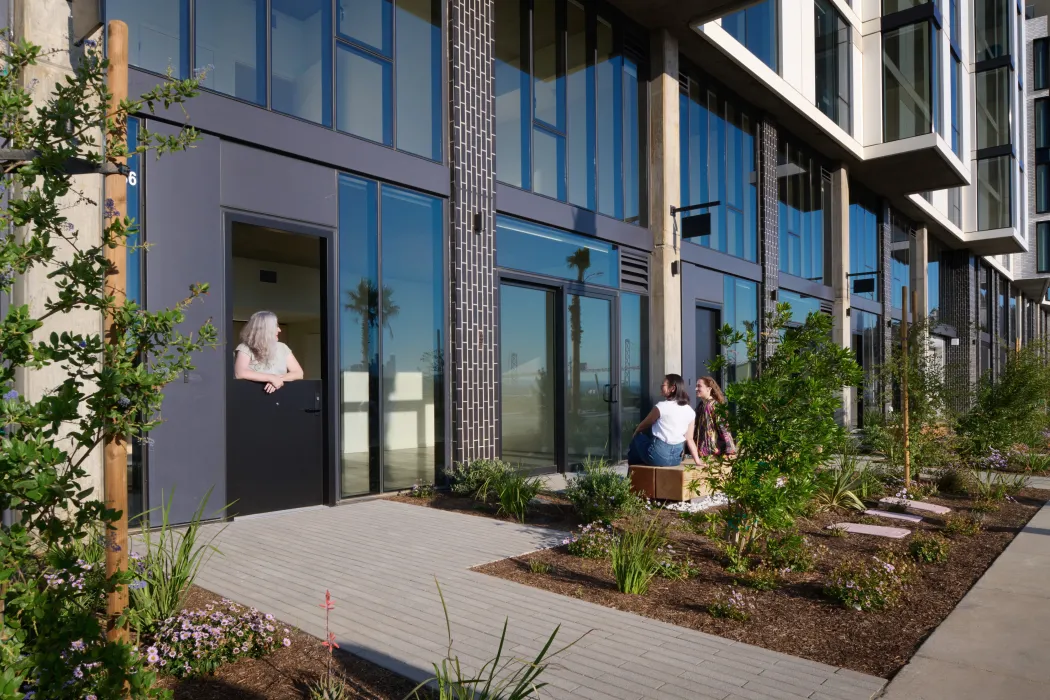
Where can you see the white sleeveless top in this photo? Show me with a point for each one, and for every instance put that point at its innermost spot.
(673, 422)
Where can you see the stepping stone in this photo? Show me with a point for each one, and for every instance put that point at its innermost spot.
(897, 516)
(895, 533)
(916, 505)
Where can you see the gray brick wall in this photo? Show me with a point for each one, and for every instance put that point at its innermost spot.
(959, 291)
(769, 233)
(472, 161)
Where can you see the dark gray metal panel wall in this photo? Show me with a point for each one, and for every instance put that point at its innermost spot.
(267, 183)
(698, 285)
(184, 230)
(475, 356)
(959, 299)
(769, 233)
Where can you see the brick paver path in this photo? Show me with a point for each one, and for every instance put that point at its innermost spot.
(380, 559)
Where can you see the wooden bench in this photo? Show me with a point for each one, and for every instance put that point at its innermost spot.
(671, 483)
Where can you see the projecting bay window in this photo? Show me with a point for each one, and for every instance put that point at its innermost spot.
(834, 51)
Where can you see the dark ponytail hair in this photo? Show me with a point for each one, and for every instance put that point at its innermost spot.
(679, 394)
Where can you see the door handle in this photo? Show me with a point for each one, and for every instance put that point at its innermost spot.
(317, 405)
(311, 410)
(607, 393)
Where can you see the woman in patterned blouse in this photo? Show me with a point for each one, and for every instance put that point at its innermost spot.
(712, 434)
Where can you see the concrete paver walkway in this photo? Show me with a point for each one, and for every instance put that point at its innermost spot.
(995, 645)
(380, 559)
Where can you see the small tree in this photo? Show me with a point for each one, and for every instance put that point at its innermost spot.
(53, 636)
(783, 421)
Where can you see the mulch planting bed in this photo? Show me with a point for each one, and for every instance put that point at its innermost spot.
(548, 509)
(798, 618)
(284, 674)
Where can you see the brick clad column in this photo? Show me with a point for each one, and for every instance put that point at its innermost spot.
(959, 302)
(886, 292)
(472, 254)
(769, 228)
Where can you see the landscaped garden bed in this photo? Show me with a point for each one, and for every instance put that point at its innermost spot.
(798, 617)
(545, 510)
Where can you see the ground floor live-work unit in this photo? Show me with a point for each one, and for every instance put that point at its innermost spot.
(461, 213)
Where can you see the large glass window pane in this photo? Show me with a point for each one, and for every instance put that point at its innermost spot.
(741, 313)
(367, 22)
(993, 193)
(513, 104)
(419, 77)
(984, 313)
(864, 251)
(900, 258)
(993, 107)
(413, 357)
(933, 277)
(1042, 247)
(956, 102)
(528, 408)
(801, 306)
(359, 328)
(610, 141)
(301, 76)
(1042, 123)
(588, 386)
(907, 80)
(891, 6)
(1041, 63)
(866, 340)
(756, 28)
(991, 29)
(135, 238)
(365, 95)
(580, 110)
(800, 190)
(231, 47)
(548, 163)
(1042, 188)
(833, 60)
(634, 135)
(548, 251)
(548, 72)
(634, 364)
(158, 33)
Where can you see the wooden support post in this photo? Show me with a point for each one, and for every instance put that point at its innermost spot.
(116, 453)
(904, 387)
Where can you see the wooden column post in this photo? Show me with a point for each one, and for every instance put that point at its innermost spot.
(116, 453)
(904, 386)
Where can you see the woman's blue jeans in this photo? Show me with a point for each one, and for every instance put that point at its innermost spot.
(654, 452)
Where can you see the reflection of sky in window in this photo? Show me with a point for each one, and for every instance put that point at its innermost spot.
(134, 186)
(546, 251)
(801, 307)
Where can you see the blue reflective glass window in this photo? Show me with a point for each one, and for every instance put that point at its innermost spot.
(1041, 64)
(800, 192)
(933, 278)
(610, 127)
(548, 163)
(864, 251)
(580, 110)
(756, 28)
(900, 258)
(418, 75)
(956, 101)
(230, 47)
(1042, 188)
(740, 307)
(633, 132)
(801, 306)
(367, 22)
(1042, 247)
(366, 96)
(135, 237)
(513, 100)
(521, 245)
(301, 56)
(158, 33)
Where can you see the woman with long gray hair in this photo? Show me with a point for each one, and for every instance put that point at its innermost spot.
(261, 357)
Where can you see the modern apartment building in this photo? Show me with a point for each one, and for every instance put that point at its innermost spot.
(464, 213)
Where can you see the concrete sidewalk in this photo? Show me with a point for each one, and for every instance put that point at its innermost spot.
(995, 645)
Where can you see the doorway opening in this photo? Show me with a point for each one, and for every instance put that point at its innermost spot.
(275, 456)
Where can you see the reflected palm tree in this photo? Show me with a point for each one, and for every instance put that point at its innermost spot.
(580, 261)
(365, 302)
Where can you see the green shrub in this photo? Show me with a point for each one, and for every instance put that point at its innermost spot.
(836, 488)
(672, 567)
(475, 479)
(594, 541)
(928, 548)
(1023, 459)
(966, 524)
(871, 584)
(837, 531)
(955, 480)
(791, 551)
(635, 556)
(762, 578)
(424, 490)
(734, 606)
(538, 566)
(600, 493)
(514, 491)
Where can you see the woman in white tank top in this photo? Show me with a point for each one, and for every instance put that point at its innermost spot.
(672, 421)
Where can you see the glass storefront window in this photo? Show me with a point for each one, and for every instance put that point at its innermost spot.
(718, 163)
(559, 65)
(908, 100)
(158, 33)
(521, 245)
(634, 379)
(993, 193)
(900, 258)
(740, 306)
(834, 50)
(984, 311)
(864, 250)
(391, 344)
(866, 341)
(756, 28)
(993, 107)
(800, 189)
(933, 277)
(301, 53)
(417, 63)
(991, 29)
(801, 306)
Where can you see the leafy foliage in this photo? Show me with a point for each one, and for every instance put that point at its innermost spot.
(870, 584)
(514, 491)
(784, 423)
(475, 479)
(635, 556)
(790, 551)
(55, 633)
(593, 541)
(928, 548)
(600, 493)
(965, 524)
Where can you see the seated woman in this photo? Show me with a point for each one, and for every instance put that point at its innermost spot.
(672, 422)
(261, 357)
(712, 435)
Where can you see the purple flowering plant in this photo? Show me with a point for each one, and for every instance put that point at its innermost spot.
(732, 606)
(198, 642)
(594, 541)
(869, 584)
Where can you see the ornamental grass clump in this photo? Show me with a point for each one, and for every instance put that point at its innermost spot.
(734, 606)
(514, 492)
(594, 541)
(198, 642)
(635, 558)
(475, 479)
(600, 493)
(870, 584)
